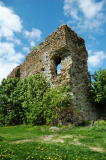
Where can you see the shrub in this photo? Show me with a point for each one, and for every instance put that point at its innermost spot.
(32, 101)
(43, 104)
(55, 100)
(35, 87)
(9, 106)
(98, 89)
(98, 86)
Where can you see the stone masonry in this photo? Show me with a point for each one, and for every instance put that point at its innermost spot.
(63, 47)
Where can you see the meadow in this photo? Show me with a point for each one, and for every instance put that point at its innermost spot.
(26, 142)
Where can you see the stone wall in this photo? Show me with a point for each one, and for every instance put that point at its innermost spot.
(63, 46)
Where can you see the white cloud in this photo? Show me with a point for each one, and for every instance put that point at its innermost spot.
(71, 9)
(85, 14)
(26, 49)
(96, 58)
(10, 25)
(9, 22)
(14, 40)
(9, 58)
(32, 43)
(17, 41)
(90, 8)
(6, 68)
(8, 52)
(33, 36)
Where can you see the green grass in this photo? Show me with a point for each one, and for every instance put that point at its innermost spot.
(41, 143)
(20, 132)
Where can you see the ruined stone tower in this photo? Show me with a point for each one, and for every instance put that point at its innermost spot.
(65, 48)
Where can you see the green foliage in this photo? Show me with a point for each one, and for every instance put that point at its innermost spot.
(31, 101)
(42, 104)
(32, 104)
(55, 100)
(98, 87)
(9, 106)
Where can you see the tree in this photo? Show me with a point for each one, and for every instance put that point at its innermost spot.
(98, 88)
(20, 100)
(9, 106)
(35, 86)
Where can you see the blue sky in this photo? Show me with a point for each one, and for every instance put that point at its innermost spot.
(25, 23)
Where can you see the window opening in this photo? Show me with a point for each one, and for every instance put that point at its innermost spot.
(58, 65)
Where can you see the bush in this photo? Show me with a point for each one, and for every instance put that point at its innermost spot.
(32, 101)
(98, 89)
(55, 100)
(35, 87)
(43, 104)
(9, 106)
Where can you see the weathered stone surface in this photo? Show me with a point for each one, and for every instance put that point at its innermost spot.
(66, 47)
(15, 72)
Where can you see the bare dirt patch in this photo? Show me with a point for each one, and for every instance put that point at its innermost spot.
(22, 141)
(60, 139)
(52, 139)
(97, 149)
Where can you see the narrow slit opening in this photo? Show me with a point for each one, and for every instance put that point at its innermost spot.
(58, 66)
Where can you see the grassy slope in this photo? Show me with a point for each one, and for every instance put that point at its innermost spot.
(65, 143)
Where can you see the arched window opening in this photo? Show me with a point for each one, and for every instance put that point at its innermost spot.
(58, 65)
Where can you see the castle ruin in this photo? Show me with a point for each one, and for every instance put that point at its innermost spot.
(64, 49)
